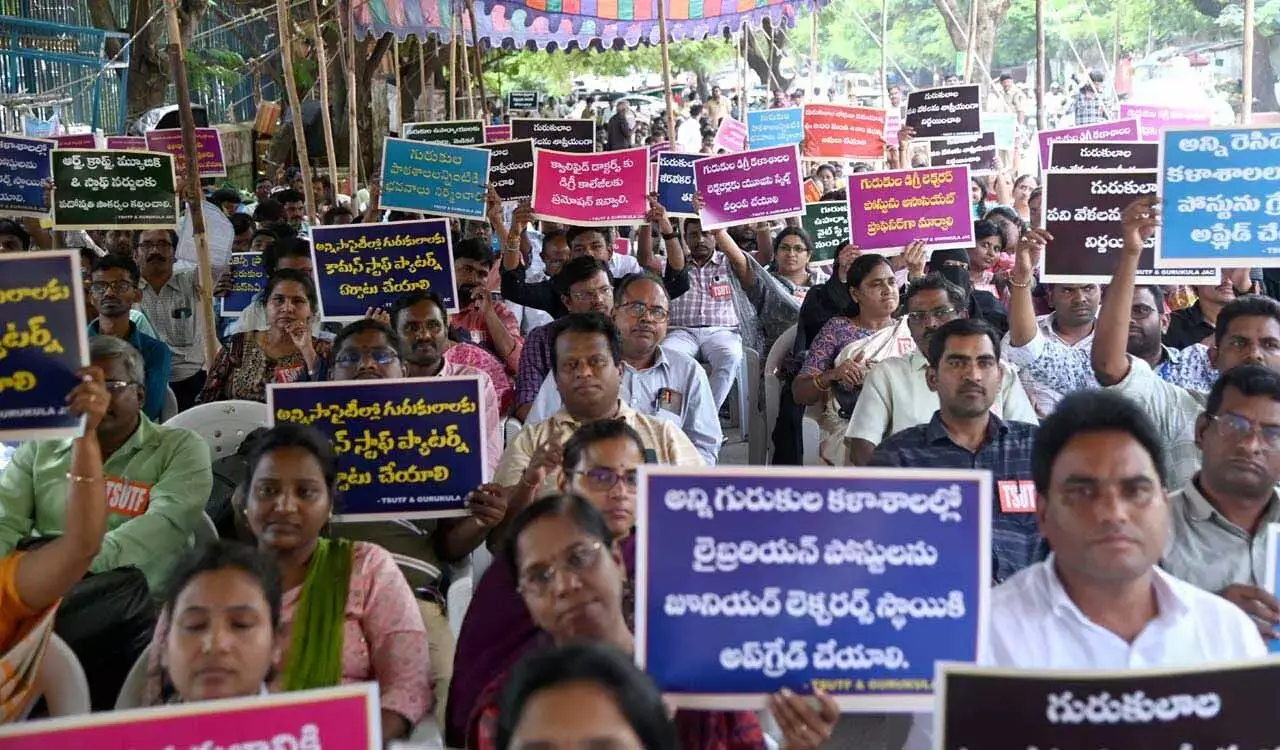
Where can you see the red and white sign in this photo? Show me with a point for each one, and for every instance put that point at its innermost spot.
(838, 131)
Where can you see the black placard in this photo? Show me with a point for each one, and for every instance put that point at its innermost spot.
(1078, 155)
(522, 101)
(574, 136)
(946, 112)
(978, 153)
(511, 169)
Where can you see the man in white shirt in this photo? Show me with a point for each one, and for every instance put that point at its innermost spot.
(1100, 601)
(895, 395)
(689, 132)
(598, 243)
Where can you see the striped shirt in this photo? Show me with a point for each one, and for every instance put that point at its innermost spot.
(174, 311)
(709, 301)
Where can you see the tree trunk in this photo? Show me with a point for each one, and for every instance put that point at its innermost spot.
(1264, 75)
(990, 15)
(764, 56)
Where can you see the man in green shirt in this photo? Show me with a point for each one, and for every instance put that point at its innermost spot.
(157, 478)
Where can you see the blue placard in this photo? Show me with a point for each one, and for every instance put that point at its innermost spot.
(767, 128)
(248, 278)
(1220, 193)
(434, 178)
(25, 165)
(410, 448)
(856, 581)
(675, 183)
(43, 342)
(359, 266)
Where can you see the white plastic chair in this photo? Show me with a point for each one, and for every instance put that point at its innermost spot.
(170, 408)
(510, 428)
(773, 393)
(206, 532)
(135, 684)
(62, 680)
(416, 565)
(222, 424)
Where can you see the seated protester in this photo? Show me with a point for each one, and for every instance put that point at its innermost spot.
(1248, 332)
(32, 582)
(286, 252)
(567, 531)
(287, 352)
(338, 216)
(1100, 601)
(268, 211)
(953, 265)
(655, 382)
(170, 300)
(1055, 368)
(158, 478)
(988, 244)
(422, 323)
(113, 286)
(483, 321)
(224, 599)
(792, 250)
(1220, 518)
(242, 225)
(964, 370)
(600, 462)
(361, 622)
(1195, 324)
(582, 695)
(295, 209)
(88, 256)
(14, 238)
(585, 286)
(897, 395)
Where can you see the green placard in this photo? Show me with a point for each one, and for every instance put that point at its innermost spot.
(827, 224)
(113, 190)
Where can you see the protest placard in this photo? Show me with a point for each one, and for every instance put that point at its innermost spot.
(572, 136)
(113, 190)
(658, 148)
(757, 185)
(622, 245)
(453, 133)
(827, 224)
(892, 124)
(44, 343)
(126, 143)
(411, 448)
(767, 128)
(25, 165)
(751, 579)
(731, 135)
(1108, 156)
(1220, 190)
(675, 183)
(887, 210)
(83, 141)
(1118, 130)
(1221, 705)
(980, 154)
(208, 149)
(1154, 120)
(1082, 211)
(1005, 127)
(346, 717)
(946, 112)
(497, 133)
(248, 277)
(511, 169)
(841, 132)
(359, 266)
(434, 178)
(522, 101)
(591, 189)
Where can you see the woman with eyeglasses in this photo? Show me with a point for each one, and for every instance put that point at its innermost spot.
(792, 251)
(286, 352)
(572, 577)
(600, 462)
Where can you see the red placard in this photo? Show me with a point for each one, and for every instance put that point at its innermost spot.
(838, 131)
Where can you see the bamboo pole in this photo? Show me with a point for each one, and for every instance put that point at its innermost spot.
(884, 54)
(1246, 72)
(422, 80)
(666, 70)
(295, 106)
(353, 127)
(1040, 63)
(195, 201)
(453, 65)
(475, 42)
(813, 50)
(395, 61)
(970, 47)
(322, 59)
(466, 73)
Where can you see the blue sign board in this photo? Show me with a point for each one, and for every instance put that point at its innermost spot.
(359, 266)
(775, 127)
(434, 178)
(411, 448)
(43, 343)
(248, 278)
(1220, 194)
(25, 165)
(854, 581)
(675, 183)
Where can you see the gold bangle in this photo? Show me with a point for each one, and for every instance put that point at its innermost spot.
(1023, 285)
(817, 382)
(82, 478)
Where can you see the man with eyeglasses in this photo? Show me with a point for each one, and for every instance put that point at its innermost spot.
(896, 394)
(113, 286)
(172, 304)
(1220, 517)
(666, 384)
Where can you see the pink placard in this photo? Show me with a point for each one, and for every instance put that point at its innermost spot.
(497, 133)
(1154, 119)
(126, 143)
(892, 124)
(622, 245)
(731, 135)
(76, 140)
(1116, 130)
(591, 189)
(208, 147)
(344, 717)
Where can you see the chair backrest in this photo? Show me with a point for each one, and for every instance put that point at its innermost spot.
(206, 532)
(223, 424)
(62, 680)
(772, 386)
(170, 408)
(135, 684)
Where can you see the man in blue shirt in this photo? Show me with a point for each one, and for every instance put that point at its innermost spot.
(113, 286)
(964, 369)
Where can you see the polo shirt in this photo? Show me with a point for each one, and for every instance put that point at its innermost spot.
(1210, 552)
(157, 364)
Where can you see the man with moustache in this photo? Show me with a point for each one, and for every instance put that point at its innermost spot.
(656, 382)
(171, 302)
(113, 286)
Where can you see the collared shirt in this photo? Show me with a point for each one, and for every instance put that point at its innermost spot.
(157, 364)
(675, 388)
(664, 444)
(492, 419)
(709, 301)
(689, 136)
(1188, 326)
(174, 311)
(1207, 550)
(1015, 536)
(535, 363)
(488, 363)
(1088, 109)
(472, 322)
(1047, 326)
(895, 396)
(1174, 410)
(157, 485)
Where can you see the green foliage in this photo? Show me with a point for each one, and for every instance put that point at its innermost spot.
(206, 67)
